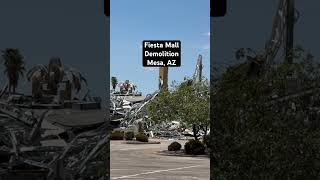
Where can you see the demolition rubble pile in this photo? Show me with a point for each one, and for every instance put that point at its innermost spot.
(129, 114)
(27, 147)
(130, 111)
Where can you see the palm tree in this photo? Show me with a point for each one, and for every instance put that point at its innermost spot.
(76, 79)
(134, 87)
(55, 75)
(114, 82)
(37, 75)
(52, 75)
(14, 67)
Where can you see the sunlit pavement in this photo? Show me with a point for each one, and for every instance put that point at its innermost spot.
(140, 161)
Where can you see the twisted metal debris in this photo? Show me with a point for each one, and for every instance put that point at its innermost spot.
(129, 112)
(26, 148)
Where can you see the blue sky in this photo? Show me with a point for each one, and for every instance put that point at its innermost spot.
(131, 22)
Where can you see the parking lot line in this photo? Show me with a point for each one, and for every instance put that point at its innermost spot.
(152, 172)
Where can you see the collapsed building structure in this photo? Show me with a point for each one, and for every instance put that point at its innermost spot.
(34, 148)
(48, 135)
(128, 111)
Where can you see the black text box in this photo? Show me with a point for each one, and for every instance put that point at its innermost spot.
(164, 53)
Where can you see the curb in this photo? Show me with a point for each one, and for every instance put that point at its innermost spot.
(138, 142)
(179, 153)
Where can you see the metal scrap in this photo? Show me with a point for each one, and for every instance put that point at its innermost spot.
(126, 114)
(26, 147)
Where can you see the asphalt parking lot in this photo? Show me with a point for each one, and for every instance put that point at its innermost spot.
(141, 161)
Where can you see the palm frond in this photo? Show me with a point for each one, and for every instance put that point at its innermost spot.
(75, 78)
(37, 71)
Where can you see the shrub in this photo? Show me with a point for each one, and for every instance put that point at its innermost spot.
(174, 146)
(116, 135)
(194, 147)
(141, 137)
(129, 135)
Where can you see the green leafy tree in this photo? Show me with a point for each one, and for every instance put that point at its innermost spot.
(257, 132)
(191, 103)
(187, 102)
(160, 108)
(14, 67)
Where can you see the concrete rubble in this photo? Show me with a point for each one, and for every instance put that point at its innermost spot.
(127, 112)
(29, 145)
